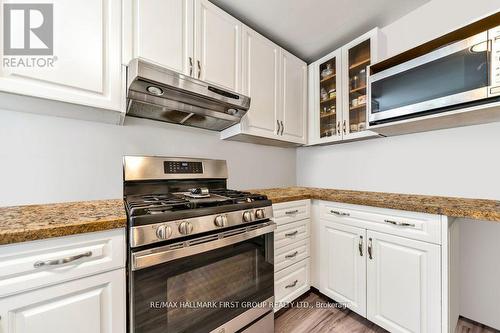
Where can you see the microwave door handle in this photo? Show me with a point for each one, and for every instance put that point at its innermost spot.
(152, 257)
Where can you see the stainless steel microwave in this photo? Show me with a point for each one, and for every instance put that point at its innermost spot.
(464, 73)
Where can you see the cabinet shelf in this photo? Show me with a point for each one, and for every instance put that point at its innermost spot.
(359, 63)
(328, 100)
(357, 89)
(357, 107)
(329, 77)
(327, 114)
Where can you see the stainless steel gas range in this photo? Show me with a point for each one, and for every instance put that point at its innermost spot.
(200, 255)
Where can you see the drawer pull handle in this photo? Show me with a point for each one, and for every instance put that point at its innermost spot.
(62, 261)
(370, 255)
(291, 234)
(293, 255)
(360, 246)
(291, 285)
(400, 224)
(291, 212)
(336, 212)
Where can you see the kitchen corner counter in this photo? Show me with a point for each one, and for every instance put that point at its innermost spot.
(32, 222)
(479, 209)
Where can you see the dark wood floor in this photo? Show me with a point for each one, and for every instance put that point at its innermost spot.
(307, 318)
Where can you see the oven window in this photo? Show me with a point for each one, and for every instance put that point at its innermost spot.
(456, 73)
(201, 292)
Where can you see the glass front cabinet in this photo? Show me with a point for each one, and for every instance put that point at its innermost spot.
(338, 92)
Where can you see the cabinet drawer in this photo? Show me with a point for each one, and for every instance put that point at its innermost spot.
(287, 234)
(419, 226)
(34, 264)
(290, 254)
(291, 282)
(287, 212)
(94, 304)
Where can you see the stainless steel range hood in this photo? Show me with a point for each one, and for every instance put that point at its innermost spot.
(154, 92)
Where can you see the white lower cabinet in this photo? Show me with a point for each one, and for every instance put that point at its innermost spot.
(403, 284)
(391, 280)
(291, 251)
(94, 304)
(67, 284)
(343, 266)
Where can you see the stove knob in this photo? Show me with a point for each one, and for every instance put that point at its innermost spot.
(163, 232)
(185, 228)
(260, 214)
(248, 216)
(220, 221)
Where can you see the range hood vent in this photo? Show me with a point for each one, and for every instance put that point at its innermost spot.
(157, 93)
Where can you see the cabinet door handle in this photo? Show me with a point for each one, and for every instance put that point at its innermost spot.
(56, 262)
(190, 66)
(370, 255)
(291, 212)
(338, 213)
(291, 285)
(338, 127)
(282, 127)
(360, 246)
(199, 69)
(278, 130)
(400, 224)
(293, 255)
(344, 127)
(291, 234)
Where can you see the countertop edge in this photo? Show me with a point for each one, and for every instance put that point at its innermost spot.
(25, 235)
(420, 207)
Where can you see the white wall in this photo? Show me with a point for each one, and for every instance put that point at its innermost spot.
(456, 162)
(460, 162)
(48, 159)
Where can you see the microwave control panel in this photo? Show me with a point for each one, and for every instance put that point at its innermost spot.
(494, 37)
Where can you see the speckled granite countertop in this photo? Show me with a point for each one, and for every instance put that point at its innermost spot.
(26, 223)
(479, 209)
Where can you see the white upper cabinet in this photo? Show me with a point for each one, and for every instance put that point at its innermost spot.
(86, 57)
(261, 63)
(164, 33)
(338, 91)
(403, 284)
(193, 37)
(276, 82)
(217, 46)
(197, 38)
(325, 106)
(294, 98)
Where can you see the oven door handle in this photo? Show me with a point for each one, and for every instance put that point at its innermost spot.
(152, 257)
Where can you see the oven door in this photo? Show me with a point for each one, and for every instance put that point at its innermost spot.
(223, 281)
(455, 74)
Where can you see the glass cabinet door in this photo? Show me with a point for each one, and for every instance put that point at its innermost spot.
(358, 58)
(328, 96)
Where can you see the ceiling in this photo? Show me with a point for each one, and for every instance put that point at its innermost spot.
(312, 28)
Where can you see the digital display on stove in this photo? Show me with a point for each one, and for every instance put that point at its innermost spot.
(173, 167)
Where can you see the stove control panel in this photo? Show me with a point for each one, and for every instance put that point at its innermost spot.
(182, 167)
(148, 234)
